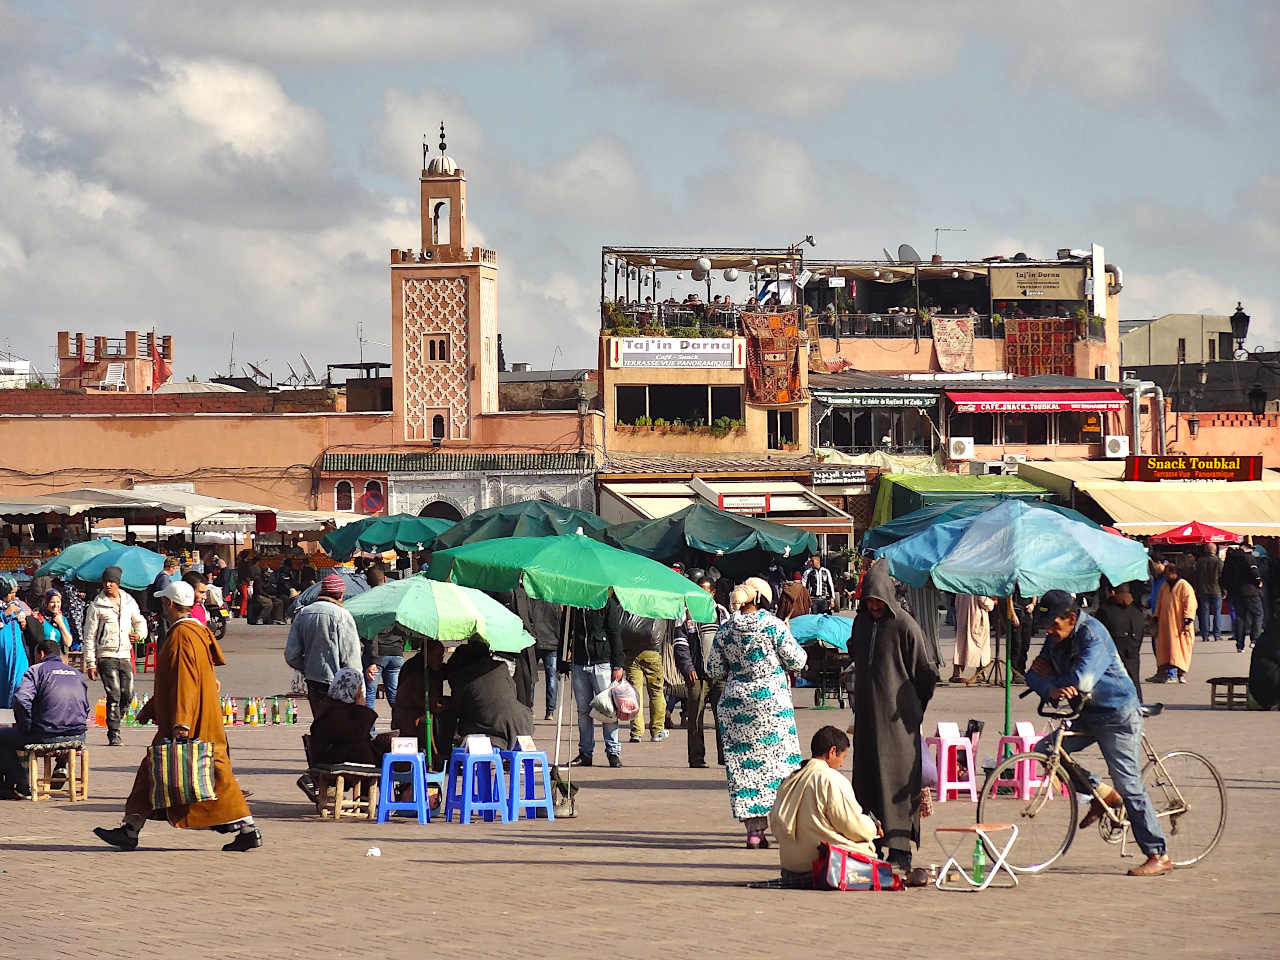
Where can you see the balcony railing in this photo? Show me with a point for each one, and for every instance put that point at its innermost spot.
(680, 319)
(896, 325)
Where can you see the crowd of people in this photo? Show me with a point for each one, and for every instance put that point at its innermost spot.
(739, 669)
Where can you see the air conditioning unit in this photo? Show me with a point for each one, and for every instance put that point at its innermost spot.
(1129, 375)
(1116, 446)
(985, 468)
(1014, 459)
(960, 448)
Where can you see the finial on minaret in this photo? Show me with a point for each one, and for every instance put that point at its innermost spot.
(426, 149)
(443, 145)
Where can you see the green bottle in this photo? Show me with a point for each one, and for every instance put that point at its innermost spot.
(979, 861)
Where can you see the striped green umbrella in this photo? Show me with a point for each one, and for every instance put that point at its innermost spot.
(75, 555)
(445, 611)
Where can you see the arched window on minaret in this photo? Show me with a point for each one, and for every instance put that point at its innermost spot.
(437, 427)
(440, 223)
(431, 349)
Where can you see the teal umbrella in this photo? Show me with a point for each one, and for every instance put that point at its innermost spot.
(824, 628)
(138, 566)
(526, 518)
(701, 526)
(576, 571)
(73, 556)
(1015, 544)
(401, 531)
(445, 611)
(904, 526)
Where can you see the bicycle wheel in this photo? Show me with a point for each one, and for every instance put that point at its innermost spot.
(1044, 812)
(1190, 801)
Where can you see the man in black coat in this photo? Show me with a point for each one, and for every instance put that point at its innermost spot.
(1126, 623)
(894, 679)
(482, 698)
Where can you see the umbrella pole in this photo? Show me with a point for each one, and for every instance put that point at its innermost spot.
(564, 646)
(1008, 677)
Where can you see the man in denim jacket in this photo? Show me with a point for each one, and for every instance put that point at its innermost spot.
(1080, 659)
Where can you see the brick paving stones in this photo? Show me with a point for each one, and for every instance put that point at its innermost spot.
(653, 866)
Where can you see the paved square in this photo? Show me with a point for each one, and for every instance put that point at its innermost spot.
(653, 866)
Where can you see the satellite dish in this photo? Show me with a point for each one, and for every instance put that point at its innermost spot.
(311, 374)
(907, 254)
(887, 255)
(257, 372)
(1019, 256)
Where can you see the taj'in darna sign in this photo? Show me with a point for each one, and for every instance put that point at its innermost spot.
(1037, 283)
(712, 352)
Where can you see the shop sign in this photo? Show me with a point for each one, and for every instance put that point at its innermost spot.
(710, 353)
(841, 475)
(1150, 469)
(1037, 283)
(876, 400)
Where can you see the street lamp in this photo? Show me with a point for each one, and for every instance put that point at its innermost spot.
(1239, 325)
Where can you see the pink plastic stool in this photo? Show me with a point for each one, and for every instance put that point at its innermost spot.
(1023, 741)
(948, 744)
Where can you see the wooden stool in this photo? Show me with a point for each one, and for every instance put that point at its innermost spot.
(333, 784)
(42, 758)
(1234, 697)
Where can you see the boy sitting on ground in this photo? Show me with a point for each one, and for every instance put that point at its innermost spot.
(815, 805)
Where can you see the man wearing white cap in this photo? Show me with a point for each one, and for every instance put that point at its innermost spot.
(185, 707)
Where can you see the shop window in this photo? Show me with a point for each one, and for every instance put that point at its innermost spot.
(781, 428)
(343, 495)
(726, 402)
(684, 402)
(980, 426)
(1026, 428)
(630, 404)
(1080, 427)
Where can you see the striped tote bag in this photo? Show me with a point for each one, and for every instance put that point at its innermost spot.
(181, 773)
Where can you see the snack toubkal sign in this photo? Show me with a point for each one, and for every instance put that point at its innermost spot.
(1166, 467)
(723, 352)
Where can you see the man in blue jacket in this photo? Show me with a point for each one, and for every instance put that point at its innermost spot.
(1080, 659)
(52, 703)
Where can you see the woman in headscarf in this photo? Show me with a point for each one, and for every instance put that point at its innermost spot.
(751, 654)
(47, 623)
(340, 730)
(13, 652)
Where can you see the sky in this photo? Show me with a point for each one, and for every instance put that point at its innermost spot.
(244, 167)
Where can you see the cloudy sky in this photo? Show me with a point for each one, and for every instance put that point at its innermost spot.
(204, 168)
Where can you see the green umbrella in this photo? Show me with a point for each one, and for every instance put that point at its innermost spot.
(527, 518)
(711, 530)
(445, 611)
(577, 571)
(138, 566)
(74, 555)
(401, 531)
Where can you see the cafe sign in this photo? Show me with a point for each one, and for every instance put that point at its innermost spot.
(711, 353)
(867, 401)
(1150, 469)
(1037, 283)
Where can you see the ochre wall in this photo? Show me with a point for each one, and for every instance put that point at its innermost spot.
(892, 355)
(266, 459)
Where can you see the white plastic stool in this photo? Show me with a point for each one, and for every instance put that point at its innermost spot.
(996, 863)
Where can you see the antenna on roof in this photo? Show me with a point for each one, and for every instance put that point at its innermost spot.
(231, 360)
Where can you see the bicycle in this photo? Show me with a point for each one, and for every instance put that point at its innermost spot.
(1186, 792)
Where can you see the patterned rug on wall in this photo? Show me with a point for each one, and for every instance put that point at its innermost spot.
(1035, 345)
(953, 341)
(773, 357)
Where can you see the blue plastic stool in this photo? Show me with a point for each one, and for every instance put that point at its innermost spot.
(417, 774)
(480, 773)
(522, 784)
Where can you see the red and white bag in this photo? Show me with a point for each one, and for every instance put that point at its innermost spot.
(626, 702)
(839, 869)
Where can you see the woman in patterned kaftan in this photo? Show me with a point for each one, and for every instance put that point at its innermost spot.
(752, 653)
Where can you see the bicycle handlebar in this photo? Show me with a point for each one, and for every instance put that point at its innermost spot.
(1074, 706)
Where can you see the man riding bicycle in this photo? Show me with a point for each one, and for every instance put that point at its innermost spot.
(1079, 659)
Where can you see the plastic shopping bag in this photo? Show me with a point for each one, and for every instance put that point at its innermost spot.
(626, 702)
(602, 706)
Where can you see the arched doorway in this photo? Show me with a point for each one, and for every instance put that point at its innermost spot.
(441, 509)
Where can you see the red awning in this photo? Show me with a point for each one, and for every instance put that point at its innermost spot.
(991, 401)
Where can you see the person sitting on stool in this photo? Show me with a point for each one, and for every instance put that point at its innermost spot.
(52, 703)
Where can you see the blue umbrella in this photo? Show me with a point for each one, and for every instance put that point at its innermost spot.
(904, 526)
(76, 554)
(138, 566)
(823, 627)
(355, 583)
(1015, 544)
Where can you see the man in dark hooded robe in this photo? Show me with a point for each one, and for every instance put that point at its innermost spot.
(894, 677)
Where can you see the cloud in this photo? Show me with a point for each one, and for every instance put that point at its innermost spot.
(1193, 290)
